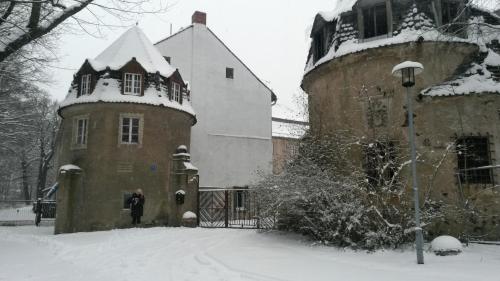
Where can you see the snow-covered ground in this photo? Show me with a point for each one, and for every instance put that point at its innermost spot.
(29, 253)
(23, 213)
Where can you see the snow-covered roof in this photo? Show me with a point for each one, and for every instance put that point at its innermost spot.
(481, 77)
(132, 44)
(292, 129)
(478, 79)
(416, 27)
(108, 90)
(354, 45)
(342, 6)
(190, 167)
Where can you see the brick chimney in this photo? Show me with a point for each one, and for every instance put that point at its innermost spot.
(199, 17)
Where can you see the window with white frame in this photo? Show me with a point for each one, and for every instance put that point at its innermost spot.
(80, 131)
(176, 91)
(132, 84)
(85, 84)
(130, 128)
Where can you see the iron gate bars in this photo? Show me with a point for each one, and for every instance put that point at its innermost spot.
(231, 208)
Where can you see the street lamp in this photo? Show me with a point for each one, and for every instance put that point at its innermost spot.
(407, 71)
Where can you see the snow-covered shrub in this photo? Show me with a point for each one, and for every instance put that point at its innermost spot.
(446, 245)
(325, 195)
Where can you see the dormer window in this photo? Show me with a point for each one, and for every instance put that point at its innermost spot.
(176, 91)
(85, 84)
(322, 36)
(375, 21)
(132, 84)
(319, 45)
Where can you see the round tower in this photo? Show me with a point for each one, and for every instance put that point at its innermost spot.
(351, 91)
(124, 116)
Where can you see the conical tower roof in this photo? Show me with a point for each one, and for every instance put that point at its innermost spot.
(107, 88)
(133, 44)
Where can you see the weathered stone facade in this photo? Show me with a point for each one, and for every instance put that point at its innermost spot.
(94, 199)
(355, 93)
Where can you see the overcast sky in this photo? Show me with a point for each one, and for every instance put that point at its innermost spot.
(270, 36)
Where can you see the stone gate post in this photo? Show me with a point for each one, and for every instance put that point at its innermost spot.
(183, 189)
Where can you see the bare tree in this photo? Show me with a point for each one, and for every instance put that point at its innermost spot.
(29, 145)
(23, 22)
(47, 124)
(27, 125)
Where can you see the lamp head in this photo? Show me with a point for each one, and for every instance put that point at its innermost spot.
(407, 71)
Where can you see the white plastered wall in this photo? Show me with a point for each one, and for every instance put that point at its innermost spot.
(231, 142)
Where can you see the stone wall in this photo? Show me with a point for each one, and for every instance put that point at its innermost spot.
(284, 150)
(93, 200)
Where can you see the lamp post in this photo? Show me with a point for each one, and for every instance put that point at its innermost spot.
(407, 71)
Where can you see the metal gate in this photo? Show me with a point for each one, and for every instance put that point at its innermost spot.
(22, 212)
(231, 208)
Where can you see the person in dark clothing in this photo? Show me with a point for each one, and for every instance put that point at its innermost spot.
(137, 206)
(38, 211)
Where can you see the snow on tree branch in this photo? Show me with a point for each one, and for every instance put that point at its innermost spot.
(19, 37)
(25, 22)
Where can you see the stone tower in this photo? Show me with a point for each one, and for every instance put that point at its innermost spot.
(351, 90)
(125, 114)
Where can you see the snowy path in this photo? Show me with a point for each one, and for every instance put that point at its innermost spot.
(29, 253)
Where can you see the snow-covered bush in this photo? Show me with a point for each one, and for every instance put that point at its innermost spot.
(323, 194)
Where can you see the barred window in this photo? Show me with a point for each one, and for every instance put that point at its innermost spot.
(85, 84)
(132, 84)
(473, 153)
